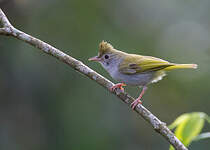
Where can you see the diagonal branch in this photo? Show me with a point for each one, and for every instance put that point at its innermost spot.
(157, 125)
(5, 22)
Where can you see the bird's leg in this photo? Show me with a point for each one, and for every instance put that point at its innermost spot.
(138, 100)
(118, 85)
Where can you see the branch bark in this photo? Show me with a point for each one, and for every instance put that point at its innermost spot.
(159, 126)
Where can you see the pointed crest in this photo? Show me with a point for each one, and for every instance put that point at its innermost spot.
(105, 47)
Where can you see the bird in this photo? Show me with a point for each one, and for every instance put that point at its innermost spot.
(133, 69)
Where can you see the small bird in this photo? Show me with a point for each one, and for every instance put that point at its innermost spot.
(133, 69)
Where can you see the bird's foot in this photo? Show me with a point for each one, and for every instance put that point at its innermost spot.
(138, 100)
(135, 103)
(118, 85)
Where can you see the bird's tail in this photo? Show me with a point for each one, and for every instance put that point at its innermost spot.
(181, 66)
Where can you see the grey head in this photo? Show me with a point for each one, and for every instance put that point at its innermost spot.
(108, 57)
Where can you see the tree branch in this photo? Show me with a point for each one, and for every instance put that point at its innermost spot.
(157, 125)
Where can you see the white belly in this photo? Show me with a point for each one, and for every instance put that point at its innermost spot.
(135, 80)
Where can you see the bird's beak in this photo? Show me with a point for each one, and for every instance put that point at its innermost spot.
(95, 58)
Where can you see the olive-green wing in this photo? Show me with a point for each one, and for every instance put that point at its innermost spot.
(134, 64)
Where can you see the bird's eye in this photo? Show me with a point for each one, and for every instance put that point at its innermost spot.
(106, 56)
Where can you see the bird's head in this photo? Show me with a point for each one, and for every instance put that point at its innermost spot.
(107, 55)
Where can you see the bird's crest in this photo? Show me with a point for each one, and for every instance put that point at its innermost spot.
(105, 47)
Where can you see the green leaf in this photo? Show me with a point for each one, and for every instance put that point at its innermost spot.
(171, 148)
(188, 126)
(179, 120)
(192, 127)
(202, 136)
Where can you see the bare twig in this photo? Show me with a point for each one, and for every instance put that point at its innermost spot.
(157, 125)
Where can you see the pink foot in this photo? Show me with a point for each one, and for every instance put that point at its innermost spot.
(135, 103)
(138, 100)
(118, 85)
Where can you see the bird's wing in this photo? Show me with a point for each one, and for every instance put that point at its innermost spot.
(134, 64)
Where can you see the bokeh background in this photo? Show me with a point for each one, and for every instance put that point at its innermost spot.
(46, 105)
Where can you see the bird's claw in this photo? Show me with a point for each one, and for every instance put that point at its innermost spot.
(135, 103)
(118, 85)
(138, 100)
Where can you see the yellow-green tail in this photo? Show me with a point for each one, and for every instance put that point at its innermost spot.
(181, 66)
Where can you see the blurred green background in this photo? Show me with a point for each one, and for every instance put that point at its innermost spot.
(46, 105)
